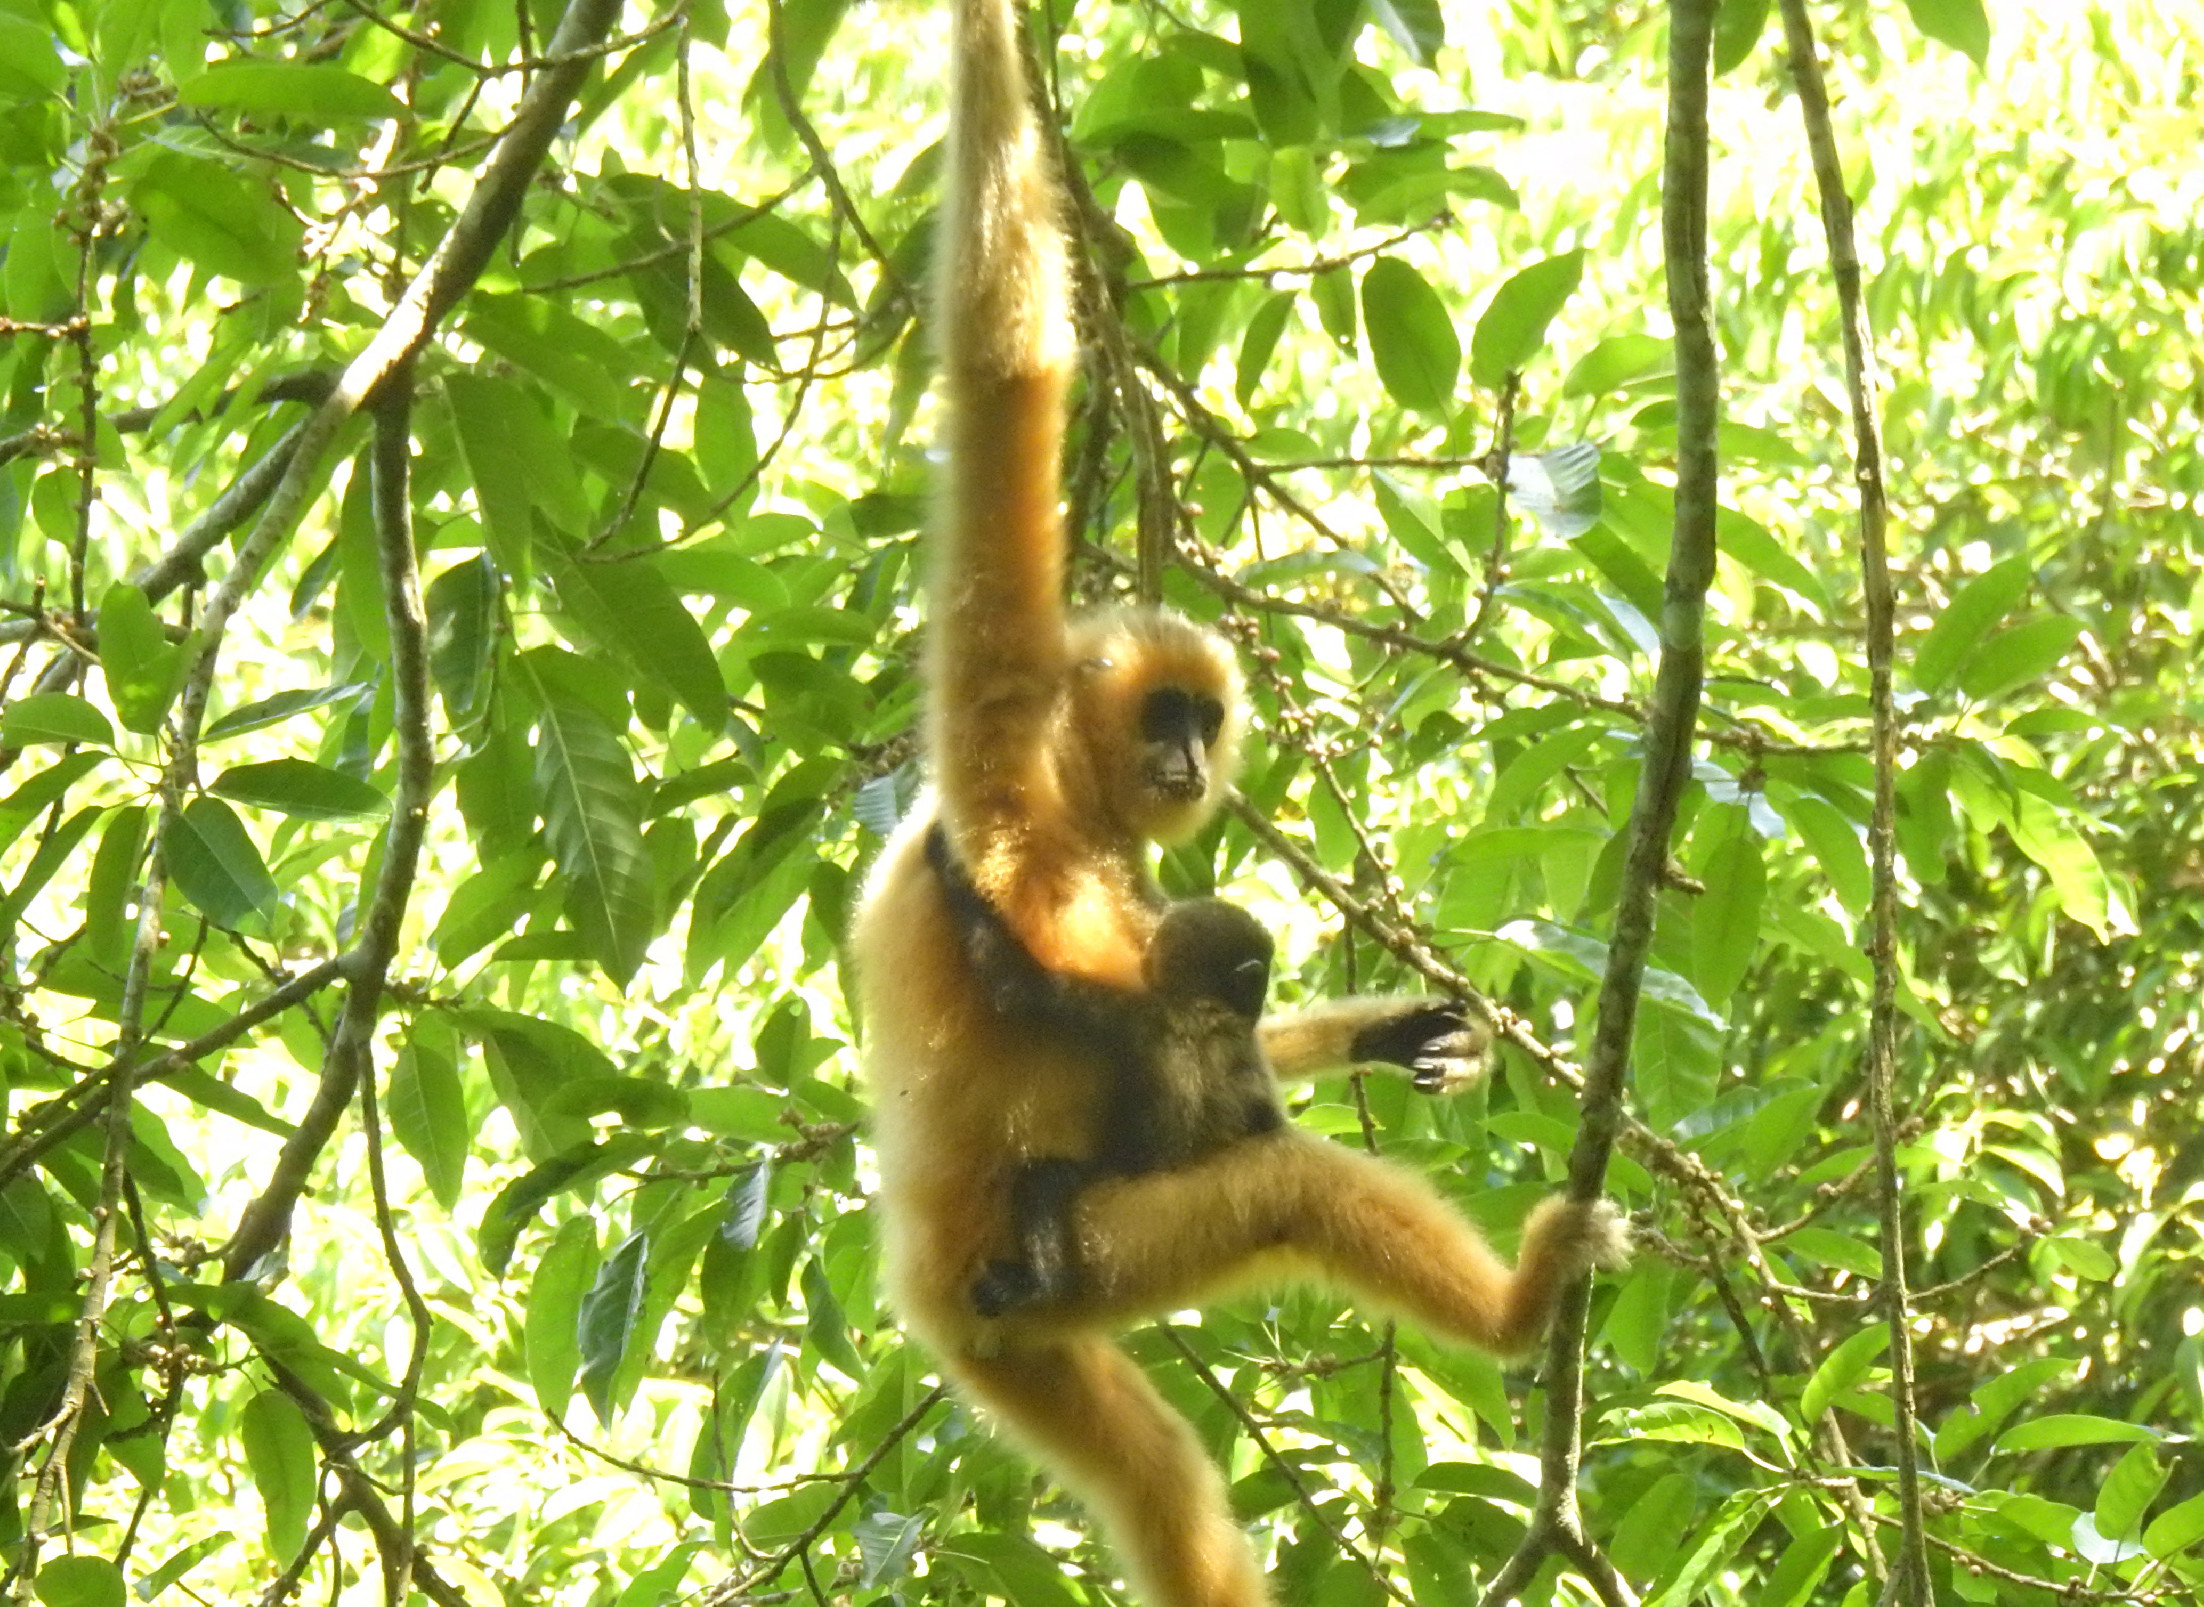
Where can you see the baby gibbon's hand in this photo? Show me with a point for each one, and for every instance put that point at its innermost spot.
(1444, 1047)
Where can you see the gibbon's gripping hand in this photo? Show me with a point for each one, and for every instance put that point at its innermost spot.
(1443, 1046)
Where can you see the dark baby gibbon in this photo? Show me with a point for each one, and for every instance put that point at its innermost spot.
(1060, 750)
(1185, 1075)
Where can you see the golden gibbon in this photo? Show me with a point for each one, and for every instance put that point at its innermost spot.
(1059, 750)
(1184, 1074)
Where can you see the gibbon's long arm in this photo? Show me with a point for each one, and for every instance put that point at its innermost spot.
(998, 653)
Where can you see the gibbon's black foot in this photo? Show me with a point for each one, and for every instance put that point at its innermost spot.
(1443, 1045)
(1004, 1286)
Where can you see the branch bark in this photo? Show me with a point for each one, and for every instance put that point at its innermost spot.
(1908, 1584)
(1671, 720)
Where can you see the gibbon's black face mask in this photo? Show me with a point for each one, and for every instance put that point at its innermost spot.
(1176, 729)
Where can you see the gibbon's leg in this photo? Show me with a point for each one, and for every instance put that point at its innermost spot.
(1292, 1205)
(1087, 1413)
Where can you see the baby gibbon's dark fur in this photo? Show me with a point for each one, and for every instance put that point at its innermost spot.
(1185, 1075)
(1060, 749)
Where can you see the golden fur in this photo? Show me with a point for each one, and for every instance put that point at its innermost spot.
(1037, 759)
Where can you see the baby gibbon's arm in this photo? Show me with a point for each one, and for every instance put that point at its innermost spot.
(1442, 1045)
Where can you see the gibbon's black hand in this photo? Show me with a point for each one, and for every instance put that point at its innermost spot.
(1442, 1045)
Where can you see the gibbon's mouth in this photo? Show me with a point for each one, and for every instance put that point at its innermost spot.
(1177, 783)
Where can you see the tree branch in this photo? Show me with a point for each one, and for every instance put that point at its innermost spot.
(1670, 723)
(1908, 1585)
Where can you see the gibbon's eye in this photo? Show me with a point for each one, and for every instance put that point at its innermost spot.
(1171, 714)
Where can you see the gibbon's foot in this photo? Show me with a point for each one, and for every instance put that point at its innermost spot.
(1004, 1286)
(1584, 1236)
(1444, 1047)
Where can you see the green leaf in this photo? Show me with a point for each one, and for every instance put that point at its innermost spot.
(887, 1541)
(1749, 542)
(209, 1092)
(1962, 24)
(1833, 1249)
(1836, 847)
(427, 1110)
(301, 91)
(1737, 28)
(551, 1333)
(1725, 922)
(592, 822)
(1638, 1318)
(1412, 340)
(54, 717)
(1719, 1541)
(144, 668)
(518, 1202)
(462, 610)
(2175, 1529)
(1023, 1573)
(1417, 26)
(274, 710)
(539, 335)
(2060, 1430)
(2084, 1258)
(629, 606)
(1618, 362)
(1513, 328)
(1654, 1526)
(178, 1563)
(279, 1451)
(2127, 1493)
(2047, 835)
(54, 850)
(207, 214)
(303, 789)
(1259, 342)
(824, 1325)
(497, 426)
(747, 1198)
(30, 67)
(35, 284)
(1841, 1369)
(1803, 1565)
(2015, 657)
(1333, 291)
(216, 865)
(108, 920)
(81, 1581)
(1959, 630)
(607, 1317)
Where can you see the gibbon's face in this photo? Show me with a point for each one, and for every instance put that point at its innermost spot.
(1155, 715)
(1177, 729)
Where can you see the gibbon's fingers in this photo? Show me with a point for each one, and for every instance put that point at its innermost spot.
(1086, 1412)
(1442, 1043)
(1292, 1204)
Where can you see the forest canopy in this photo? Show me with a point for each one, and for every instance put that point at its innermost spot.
(464, 471)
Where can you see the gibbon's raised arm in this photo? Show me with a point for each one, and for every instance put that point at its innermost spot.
(1006, 346)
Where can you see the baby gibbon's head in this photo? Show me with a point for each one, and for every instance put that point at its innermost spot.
(1154, 721)
(1206, 948)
